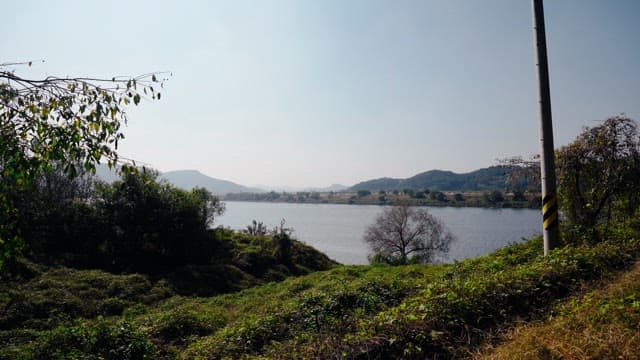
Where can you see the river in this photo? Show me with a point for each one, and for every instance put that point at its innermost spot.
(337, 230)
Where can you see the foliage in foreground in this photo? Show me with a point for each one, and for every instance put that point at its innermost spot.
(598, 179)
(412, 311)
(71, 122)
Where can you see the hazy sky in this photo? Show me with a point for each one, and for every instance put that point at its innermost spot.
(309, 93)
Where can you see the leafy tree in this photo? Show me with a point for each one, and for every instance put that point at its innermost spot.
(55, 212)
(363, 193)
(403, 233)
(419, 195)
(272, 195)
(136, 223)
(58, 122)
(598, 175)
(438, 196)
(458, 197)
(149, 224)
(519, 196)
(496, 197)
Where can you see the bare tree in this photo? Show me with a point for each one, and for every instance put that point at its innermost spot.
(402, 233)
(523, 174)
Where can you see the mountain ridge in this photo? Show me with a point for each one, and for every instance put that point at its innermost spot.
(483, 179)
(188, 179)
(489, 178)
(185, 179)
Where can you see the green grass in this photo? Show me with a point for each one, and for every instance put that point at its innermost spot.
(413, 311)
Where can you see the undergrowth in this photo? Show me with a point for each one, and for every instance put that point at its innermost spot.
(353, 312)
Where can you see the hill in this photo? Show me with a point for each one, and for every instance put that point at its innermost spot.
(185, 179)
(188, 179)
(485, 179)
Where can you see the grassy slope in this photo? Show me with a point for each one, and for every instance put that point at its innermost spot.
(350, 311)
(603, 323)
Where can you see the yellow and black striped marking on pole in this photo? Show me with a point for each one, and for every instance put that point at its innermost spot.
(549, 211)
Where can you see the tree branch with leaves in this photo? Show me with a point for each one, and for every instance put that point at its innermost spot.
(60, 121)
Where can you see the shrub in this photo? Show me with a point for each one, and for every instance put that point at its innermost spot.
(100, 340)
(178, 324)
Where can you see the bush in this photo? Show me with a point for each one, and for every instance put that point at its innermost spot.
(94, 341)
(178, 324)
(58, 295)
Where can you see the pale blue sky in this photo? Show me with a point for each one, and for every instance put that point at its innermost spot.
(309, 93)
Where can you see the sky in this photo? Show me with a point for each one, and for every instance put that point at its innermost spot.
(316, 92)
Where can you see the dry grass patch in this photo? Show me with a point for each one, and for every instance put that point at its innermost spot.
(602, 324)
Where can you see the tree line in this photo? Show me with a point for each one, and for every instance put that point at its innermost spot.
(133, 224)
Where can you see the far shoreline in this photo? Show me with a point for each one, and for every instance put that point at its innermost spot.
(472, 199)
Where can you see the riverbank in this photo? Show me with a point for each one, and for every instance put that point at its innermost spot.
(481, 199)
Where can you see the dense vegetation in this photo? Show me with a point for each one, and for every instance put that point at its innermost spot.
(408, 311)
(138, 224)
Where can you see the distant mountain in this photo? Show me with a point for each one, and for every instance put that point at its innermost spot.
(188, 179)
(185, 179)
(485, 179)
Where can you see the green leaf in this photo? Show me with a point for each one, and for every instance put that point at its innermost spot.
(136, 99)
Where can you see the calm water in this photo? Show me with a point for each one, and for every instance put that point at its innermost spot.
(337, 230)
